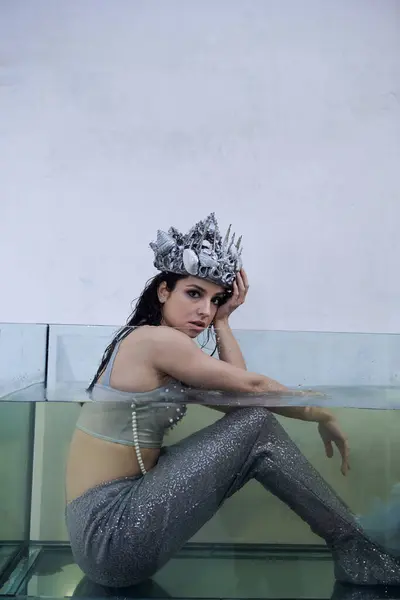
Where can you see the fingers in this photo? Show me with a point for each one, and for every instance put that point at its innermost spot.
(329, 449)
(242, 285)
(244, 278)
(241, 289)
(332, 434)
(235, 292)
(345, 453)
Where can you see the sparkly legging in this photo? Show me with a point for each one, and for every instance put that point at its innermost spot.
(124, 531)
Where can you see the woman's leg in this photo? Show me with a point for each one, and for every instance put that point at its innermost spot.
(251, 443)
(146, 524)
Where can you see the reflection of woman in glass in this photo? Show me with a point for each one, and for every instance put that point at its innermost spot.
(131, 504)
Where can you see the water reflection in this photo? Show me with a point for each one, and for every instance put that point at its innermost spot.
(151, 589)
(341, 396)
(147, 589)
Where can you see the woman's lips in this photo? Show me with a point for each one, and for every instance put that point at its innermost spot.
(198, 325)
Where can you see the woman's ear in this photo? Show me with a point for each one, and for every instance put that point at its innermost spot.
(162, 292)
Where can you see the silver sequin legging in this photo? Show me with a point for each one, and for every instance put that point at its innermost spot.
(123, 531)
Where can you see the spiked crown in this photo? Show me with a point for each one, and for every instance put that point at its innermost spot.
(201, 252)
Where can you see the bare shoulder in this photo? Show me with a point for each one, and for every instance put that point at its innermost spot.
(172, 353)
(159, 349)
(152, 337)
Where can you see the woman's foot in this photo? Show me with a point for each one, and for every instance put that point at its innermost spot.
(359, 561)
(343, 591)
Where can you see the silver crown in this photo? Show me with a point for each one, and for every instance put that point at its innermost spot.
(201, 252)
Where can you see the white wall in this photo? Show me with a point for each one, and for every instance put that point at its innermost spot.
(120, 117)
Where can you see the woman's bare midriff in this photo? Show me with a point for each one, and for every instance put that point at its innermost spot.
(92, 461)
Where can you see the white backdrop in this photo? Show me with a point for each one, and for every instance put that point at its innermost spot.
(117, 118)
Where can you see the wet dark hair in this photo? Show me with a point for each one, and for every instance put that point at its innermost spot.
(147, 311)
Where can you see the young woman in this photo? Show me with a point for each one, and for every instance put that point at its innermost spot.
(132, 503)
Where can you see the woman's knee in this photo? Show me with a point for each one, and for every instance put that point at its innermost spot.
(253, 417)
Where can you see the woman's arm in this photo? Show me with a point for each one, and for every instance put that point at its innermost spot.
(174, 354)
(227, 345)
(228, 348)
(229, 351)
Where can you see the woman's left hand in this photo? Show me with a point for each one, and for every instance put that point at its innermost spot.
(331, 433)
(240, 288)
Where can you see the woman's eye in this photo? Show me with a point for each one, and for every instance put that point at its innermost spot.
(193, 293)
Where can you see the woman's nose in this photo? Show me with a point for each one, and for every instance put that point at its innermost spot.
(205, 308)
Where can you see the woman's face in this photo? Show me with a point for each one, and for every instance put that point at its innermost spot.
(191, 306)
